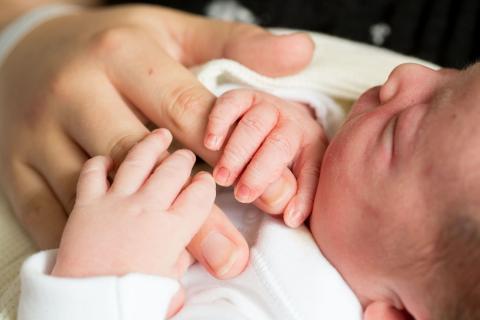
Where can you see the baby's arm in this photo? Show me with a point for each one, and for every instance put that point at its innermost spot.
(270, 136)
(124, 244)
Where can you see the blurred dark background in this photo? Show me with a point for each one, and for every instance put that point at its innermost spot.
(442, 31)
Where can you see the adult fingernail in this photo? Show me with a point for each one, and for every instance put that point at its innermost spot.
(221, 176)
(219, 252)
(242, 193)
(212, 142)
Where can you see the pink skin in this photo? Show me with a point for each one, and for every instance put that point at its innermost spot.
(152, 204)
(388, 175)
(271, 134)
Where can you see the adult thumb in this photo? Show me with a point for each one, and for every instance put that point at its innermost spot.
(269, 54)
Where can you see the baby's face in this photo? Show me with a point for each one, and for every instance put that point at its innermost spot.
(390, 172)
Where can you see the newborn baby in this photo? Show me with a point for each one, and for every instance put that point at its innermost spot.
(395, 212)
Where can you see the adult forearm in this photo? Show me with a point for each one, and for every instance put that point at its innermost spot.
(11, 9)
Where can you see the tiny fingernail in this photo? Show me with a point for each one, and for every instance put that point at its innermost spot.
(221, 176)
(162, 131)
(204, 175)
(294, 217)
(212, 142)
(219, 252)
(159, 130)
(242, 193)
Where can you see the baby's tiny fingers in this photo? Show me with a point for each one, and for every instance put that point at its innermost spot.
(245, 140)
(93, 181)
(195, 202)
(268, 164)
(169, 178)
(140, 161)
(307, 170)
(227, 109)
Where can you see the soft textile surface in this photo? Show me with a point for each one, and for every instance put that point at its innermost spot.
(342, 69)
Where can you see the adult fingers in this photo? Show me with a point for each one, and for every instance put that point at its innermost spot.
(37, 207)
(180, 103)
(244, 142)
(199, 40)
(140, 161)
(162, 89)
(92, 127)
(93, 180)
(60, 172)
(276, 153)
(307, 170)
(170, 177)
(219, 247)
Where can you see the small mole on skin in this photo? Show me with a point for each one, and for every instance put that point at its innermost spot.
(150, 71)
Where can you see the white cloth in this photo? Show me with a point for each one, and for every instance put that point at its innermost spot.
(287, 278)
(134, 296)
(220, 76)
(342, 69)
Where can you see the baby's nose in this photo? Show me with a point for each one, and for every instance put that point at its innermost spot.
(409, 78)
(387, 91)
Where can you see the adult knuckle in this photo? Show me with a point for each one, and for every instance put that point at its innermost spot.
(186, 104)
(120, 146)
(61, 85)
(112, 40)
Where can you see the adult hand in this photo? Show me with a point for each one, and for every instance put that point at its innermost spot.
(87, 84)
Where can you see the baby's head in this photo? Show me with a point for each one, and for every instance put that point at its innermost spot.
(398, 204)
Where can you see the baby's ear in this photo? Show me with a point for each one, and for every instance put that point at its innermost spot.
(384, 311)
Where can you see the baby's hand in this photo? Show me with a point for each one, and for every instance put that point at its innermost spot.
(143, 221)
(271, 135)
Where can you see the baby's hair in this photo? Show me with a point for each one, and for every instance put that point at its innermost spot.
(459, 269)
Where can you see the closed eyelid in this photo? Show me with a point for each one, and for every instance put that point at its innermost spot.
(442, 98)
